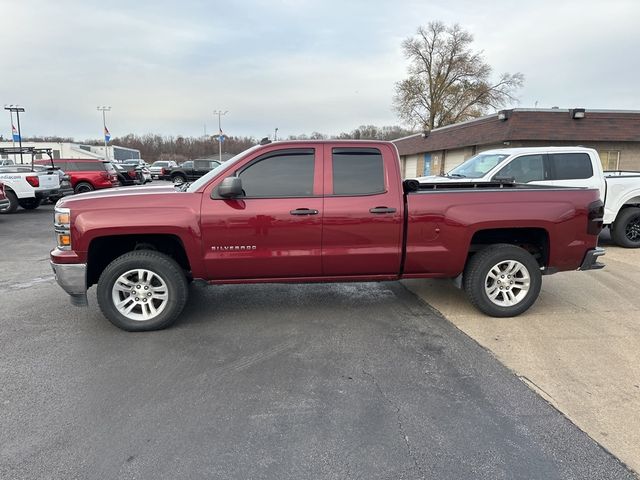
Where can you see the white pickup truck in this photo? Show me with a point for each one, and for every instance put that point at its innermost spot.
(561, 166)
(25, 185)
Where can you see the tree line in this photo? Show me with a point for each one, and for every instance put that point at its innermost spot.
(180, 148)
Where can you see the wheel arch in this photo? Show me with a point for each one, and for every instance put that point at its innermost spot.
(103, 250)
(534, 240)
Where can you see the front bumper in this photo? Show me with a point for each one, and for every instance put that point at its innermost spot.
(590, 261)
(72, 277)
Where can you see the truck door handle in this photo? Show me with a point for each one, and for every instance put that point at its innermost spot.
(382, 210)
(304, 211)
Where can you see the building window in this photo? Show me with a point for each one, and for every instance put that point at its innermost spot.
(610, 159)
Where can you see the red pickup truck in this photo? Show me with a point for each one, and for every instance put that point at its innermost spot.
(318, 211)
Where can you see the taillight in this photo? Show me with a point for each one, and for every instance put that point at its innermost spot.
(132, 173)
(596, 217)
(163, 171)
(33, 181)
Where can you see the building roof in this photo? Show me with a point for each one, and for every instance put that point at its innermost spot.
(528, 124)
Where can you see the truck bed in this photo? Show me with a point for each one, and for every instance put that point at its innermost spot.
(444, 222)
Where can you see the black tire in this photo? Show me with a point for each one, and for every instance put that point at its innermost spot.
(13, 202)
(625, 231)
(476, 280)
(178, 179)
(83, 187)
(160, 265)
(29, 203)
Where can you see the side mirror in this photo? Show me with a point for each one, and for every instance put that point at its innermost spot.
(230, 187)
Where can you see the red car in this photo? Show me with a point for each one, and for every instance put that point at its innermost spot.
(88, 174)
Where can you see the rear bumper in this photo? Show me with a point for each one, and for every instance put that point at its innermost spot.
(590, 261)
(42, 194)
(72, 277)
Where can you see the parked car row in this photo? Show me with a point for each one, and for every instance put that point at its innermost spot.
(186, 172)
(28, 185)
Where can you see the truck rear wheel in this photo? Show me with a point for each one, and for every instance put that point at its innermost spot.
(13, 202)
(142, 290)
(625, 231)
(29, 203)
(502, 280)
(83, 187)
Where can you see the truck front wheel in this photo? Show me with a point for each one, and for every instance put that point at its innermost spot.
(142, 290)
(502, 280)
(625, 231)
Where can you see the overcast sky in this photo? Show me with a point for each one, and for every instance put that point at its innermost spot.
(299, 65)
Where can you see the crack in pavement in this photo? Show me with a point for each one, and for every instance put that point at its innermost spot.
(405, 437)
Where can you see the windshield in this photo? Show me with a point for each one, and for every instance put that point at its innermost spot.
(478, 166)
(213, 173)
(160, 164)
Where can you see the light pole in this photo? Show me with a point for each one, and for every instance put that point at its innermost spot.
(220, 135)
(17, 109)
(275, 135)
(104, 109)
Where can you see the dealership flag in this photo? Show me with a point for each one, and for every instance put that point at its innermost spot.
(16, 137)
(107, 135)
(221, 137)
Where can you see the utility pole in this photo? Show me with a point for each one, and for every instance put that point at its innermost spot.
(104, 109)
(220, 135)
(17, 109)
(13, 138)
(275, 135)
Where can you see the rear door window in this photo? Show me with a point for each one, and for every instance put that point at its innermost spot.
(570, 166)
(524, 169)
(357, 171)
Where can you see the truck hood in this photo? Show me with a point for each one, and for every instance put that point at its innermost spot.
(108, 193)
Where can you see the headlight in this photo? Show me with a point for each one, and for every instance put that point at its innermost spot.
(62, 226)
(62, 218)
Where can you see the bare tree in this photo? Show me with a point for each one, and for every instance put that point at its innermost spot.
(448, 82)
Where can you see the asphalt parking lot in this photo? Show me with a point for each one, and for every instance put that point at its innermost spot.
(578, 346)
(263, 381)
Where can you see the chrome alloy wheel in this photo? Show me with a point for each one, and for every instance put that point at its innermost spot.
(140, 294)
(507, 283)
